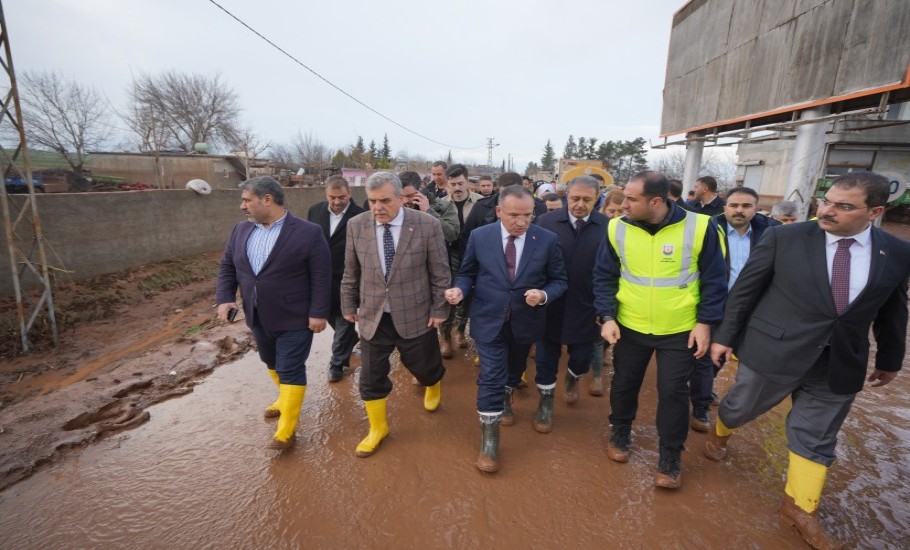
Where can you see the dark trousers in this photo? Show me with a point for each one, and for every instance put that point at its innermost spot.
(548, 354)
(285, 351)
(502, 362)
(631, 355)
(701, 383)
(419, 355)
(343, 341)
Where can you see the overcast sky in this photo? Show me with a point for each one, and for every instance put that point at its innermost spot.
(459, 72)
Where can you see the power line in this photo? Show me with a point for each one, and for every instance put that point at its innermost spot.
(333, 85)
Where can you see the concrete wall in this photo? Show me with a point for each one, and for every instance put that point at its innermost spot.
(175, 170)
(92, 234)
(729, 60)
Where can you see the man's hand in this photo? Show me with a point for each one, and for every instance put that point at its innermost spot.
(720, 354)
(421, 202)
(435, 322)
(881, 377)
(454, 295)
(534, 297)
(223, 310)
(352, 318)
(700, 337)
(317, 325)
(610, 332)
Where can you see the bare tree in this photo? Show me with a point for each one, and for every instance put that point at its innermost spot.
(64, 116)
(311, 152)
(246, 145)
(189, 109)
(718, 163)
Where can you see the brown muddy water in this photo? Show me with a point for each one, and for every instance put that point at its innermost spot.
(197, 475)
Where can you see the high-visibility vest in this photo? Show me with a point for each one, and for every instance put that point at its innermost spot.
(659, 286)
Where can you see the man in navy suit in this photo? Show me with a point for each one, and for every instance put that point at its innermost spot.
(572, 319)
(513, 269)
(798, 318)
(332, 216)
(283, 268)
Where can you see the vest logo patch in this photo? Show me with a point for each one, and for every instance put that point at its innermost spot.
(668, 250)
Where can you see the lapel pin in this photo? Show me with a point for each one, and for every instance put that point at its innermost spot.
(882, 252)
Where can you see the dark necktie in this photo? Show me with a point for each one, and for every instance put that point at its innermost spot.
(510, 258)
(388, 249)
(840, 275)
(579, 223)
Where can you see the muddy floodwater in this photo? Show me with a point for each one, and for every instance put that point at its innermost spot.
(197, 475)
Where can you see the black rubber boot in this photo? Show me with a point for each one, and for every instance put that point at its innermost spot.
(508, 415)
(488, 460)
(543, 420)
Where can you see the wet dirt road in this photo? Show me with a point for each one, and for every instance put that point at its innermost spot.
(197, 475)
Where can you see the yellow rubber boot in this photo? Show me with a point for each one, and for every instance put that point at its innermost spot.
(432, 396)
(273, 410)
(805, 481)
(379, 427)
(290, 399)
(721, 430)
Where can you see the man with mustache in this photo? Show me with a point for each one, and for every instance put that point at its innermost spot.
(798, 318)
(742, 227)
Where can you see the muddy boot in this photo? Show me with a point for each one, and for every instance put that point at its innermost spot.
(700, 421)
(572, 388)
(432, 396)
(488, 459)
(805, 482)
(272, 411)
(508, 415)
(459, 339)
(669, 469)
(379, 427)
(290, 399)
(806, 524)
(543, 420)
(620, 444)
(445, 342)
(715, 443)
(597, 385)
(608, 356)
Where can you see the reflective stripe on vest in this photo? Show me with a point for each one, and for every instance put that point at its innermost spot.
(684, 277)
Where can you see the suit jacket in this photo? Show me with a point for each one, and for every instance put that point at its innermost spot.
(319, 214)
(571, 318)
(780, 316)
(484, 213)
(417, 281)
(483, 272)
(293, 284)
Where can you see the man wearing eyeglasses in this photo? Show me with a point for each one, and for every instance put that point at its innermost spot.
(514, 269)
(798, 318)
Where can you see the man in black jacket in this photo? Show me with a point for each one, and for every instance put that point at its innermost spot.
(332, 216)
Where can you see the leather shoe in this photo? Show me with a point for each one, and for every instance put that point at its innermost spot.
(336, 373)
(806, 525)
(700, 421)
(620, 444)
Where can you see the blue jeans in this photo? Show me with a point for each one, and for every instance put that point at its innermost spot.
(286, 351)
(343, 341)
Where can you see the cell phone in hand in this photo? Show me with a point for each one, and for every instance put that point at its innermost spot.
(232, 314)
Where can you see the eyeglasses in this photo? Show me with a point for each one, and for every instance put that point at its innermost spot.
(842, 206)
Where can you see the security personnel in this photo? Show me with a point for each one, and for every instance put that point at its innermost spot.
(659, 285)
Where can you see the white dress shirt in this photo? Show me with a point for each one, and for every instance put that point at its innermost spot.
(860, 259)
(519, 248)
(334, 219)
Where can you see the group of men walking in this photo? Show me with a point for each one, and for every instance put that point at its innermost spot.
(653, 281)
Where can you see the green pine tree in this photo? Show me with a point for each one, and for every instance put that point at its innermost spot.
(548, 160)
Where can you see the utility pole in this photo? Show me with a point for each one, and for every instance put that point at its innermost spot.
(490, 146)
(23, 266)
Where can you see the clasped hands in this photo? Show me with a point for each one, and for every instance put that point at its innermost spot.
(533, 297)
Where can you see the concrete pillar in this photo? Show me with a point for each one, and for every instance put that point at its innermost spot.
(694, 150)
(806, 163)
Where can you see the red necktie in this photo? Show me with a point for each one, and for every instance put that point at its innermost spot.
(840, 275)
(510, 258)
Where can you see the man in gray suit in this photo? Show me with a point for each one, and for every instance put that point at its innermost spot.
(798, 318)
(396, 271)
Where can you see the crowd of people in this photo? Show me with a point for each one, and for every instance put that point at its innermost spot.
(612, 275)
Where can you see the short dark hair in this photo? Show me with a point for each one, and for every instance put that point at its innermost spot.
(510, 178)
(486, 177)
(709, 182)
(441, 163)
(515, 190)
(654, 184)
(410, 177)
(745, 191)
(526, 178)
(876, 186)
(598, 177)
(456, 171)
(547, 197)
(676, 188)
(337, 182)
(265, 185)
